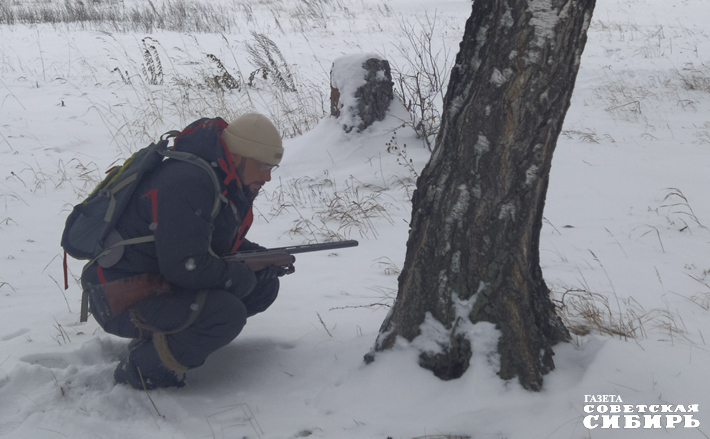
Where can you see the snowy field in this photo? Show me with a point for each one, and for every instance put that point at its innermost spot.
(624, 245)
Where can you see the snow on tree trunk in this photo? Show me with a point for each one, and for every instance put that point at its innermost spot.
(473, 249)
(360, 90)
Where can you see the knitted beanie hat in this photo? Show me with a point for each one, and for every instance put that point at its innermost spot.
(253, 135)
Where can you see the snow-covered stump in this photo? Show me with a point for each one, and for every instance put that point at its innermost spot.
(360, 90)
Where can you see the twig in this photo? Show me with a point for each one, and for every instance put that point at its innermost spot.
(61, 290)
(148, 394)
(551, 225)
(324, 327)
(62, 332)
(377, 304)
(251, 416)
(8, 143)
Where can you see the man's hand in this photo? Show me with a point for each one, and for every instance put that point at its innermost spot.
(286, 269)
(273, 271)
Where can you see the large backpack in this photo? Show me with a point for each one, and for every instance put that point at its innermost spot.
(89, 230)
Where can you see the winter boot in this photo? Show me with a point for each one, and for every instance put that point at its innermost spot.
(142, 368)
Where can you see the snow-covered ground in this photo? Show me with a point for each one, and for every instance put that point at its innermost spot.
(625, 242)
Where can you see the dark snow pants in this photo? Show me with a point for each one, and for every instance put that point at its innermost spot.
(220, 320)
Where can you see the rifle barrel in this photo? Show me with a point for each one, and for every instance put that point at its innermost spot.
(305, 248)
(318, 247)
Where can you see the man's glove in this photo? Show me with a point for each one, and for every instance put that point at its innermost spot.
(273, 271)
(287, 269)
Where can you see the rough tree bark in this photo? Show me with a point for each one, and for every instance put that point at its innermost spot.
(477, 211)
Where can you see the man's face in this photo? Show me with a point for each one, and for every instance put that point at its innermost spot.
(252, 173)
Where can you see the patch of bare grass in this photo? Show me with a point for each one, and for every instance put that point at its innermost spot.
(327, 213)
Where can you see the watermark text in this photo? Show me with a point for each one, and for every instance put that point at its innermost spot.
(606, 414)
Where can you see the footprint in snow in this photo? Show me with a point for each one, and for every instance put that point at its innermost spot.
(15, 334)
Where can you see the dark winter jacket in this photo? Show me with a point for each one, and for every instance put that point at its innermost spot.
(175, 202)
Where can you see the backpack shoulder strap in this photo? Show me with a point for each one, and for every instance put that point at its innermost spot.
(200, 162)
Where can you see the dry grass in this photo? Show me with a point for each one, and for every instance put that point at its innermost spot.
(702, 299)
(160, 98)
(587, 136)
(585, 312)
(5, 284)
(695, 77)
(420, 81)
(635, 100)
(678, 207)
(164, 95)
(335, 213)
(114, 16)
(384, 299)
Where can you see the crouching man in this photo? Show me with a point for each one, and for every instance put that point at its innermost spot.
(197, 302)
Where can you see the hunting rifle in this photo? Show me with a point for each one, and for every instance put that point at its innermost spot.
(283, 256)
(112, 298)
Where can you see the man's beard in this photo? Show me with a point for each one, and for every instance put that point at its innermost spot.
(250, 192)
(247, 189)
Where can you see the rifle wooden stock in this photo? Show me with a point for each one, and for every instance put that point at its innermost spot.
(113, 298)
(260, 260)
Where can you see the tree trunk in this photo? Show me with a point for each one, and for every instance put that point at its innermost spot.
(477, 211)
